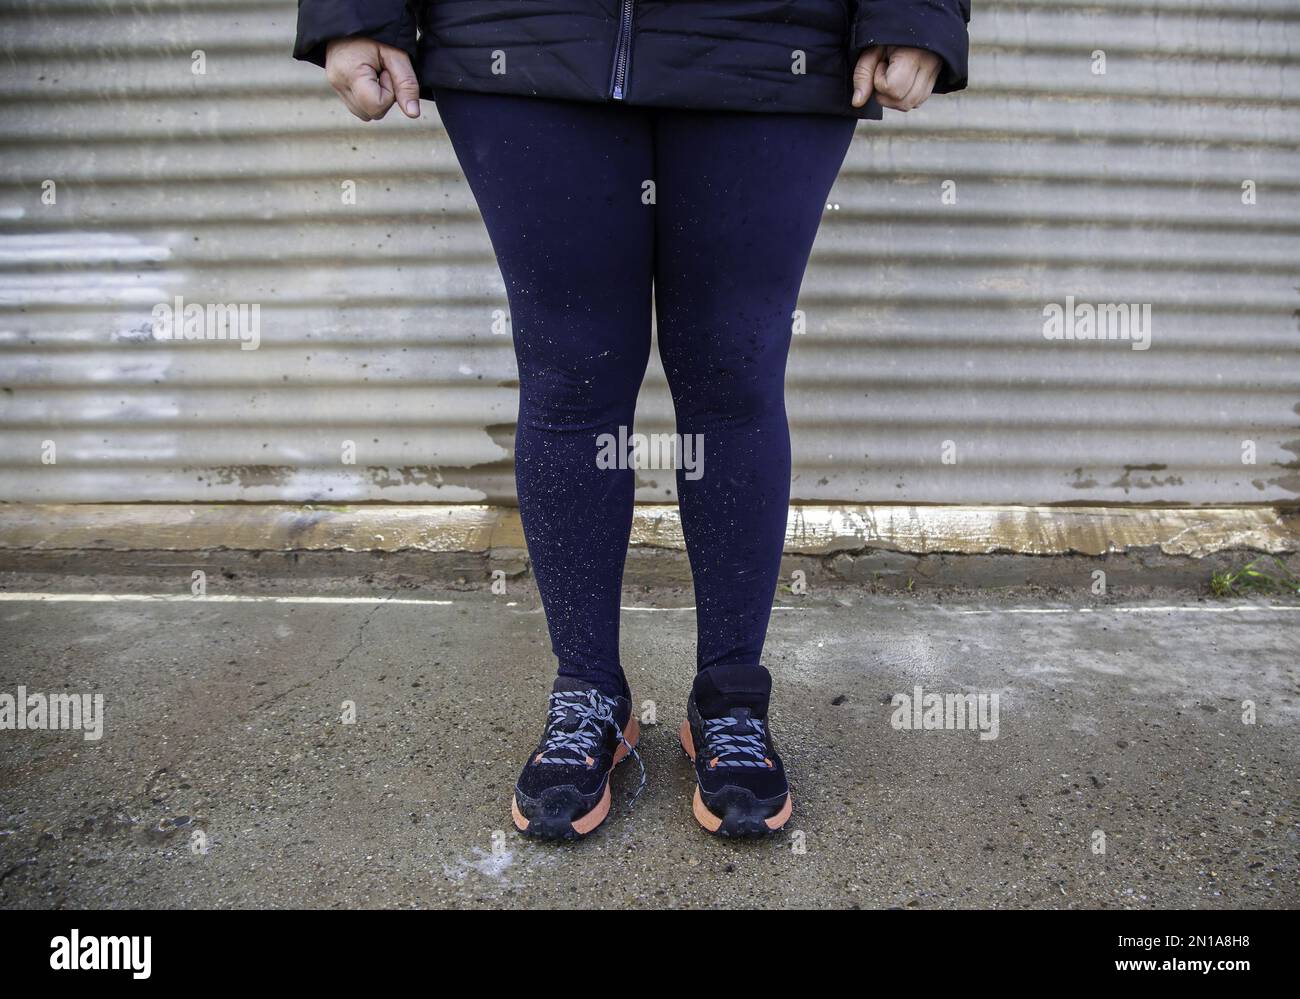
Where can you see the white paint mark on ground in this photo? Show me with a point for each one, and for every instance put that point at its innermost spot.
(692, 607)
(488, 863)
(254, 598)
(1140, 609)
(220, 598)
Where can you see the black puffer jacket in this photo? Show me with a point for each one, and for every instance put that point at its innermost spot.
(746, 55)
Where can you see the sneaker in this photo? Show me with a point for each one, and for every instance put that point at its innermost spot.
(741, 788)
(563, 792)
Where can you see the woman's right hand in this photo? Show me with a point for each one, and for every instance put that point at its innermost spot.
(371, 77)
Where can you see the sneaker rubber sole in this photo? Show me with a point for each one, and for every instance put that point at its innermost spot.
(563, 828)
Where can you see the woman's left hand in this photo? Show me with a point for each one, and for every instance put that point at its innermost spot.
(902, 78)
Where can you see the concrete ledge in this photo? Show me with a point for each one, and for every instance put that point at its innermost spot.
(816, 531)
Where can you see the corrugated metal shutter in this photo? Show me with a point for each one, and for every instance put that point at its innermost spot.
(925, 319)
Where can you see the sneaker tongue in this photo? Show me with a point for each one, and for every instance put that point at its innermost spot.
(568, 719)
(567, 683)
(744, 721)
(727, 690)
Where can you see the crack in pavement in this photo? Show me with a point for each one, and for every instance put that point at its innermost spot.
(360, 640)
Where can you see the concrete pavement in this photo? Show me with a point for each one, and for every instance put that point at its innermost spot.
(1128, 769)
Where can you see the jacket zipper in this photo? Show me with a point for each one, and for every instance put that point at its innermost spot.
(621, 51)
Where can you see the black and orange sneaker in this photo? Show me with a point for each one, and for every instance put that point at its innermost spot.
(741, 788)
(563, 792)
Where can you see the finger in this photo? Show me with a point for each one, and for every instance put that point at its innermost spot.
(343, 87)
(863, 73)
(406, 88)
(345, 94)
(369, 92)
(895, 76)
(921, 90)
(894, 79)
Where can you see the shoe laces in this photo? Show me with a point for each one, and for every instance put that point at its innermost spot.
(574, 728)
(727, 747)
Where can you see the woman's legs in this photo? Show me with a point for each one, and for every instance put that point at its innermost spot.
(738, 201)
(740, 197)
(559, 185)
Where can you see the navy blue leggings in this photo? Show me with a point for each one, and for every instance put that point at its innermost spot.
(722, 237)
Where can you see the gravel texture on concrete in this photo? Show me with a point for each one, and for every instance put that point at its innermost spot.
(226, 775)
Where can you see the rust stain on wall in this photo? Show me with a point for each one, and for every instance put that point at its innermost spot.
(405, 475)
(246, 476)
(1080, 482)
(1291, 483)
(815, 530)
(503, 436)
(1127, 482)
